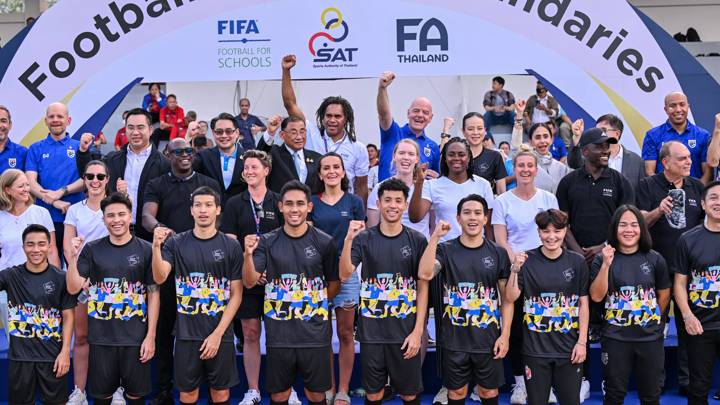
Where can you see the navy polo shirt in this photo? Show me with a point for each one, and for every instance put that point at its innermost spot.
(12, 157)
(54, 163)
(248, 142)
(429, 149)
(695, 138)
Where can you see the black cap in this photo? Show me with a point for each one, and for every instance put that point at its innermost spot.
(595, 136)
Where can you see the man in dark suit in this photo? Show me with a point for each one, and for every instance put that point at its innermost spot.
(132, 167)
(290, 159)
(224, 162)
(629, 163)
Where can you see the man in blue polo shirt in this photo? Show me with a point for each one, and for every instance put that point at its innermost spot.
(677, 128)
(12, 155)
(419, 116)
(52, 171)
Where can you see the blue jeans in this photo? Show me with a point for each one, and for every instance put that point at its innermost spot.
(508, 118)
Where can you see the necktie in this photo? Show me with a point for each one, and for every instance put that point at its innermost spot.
(300, 167)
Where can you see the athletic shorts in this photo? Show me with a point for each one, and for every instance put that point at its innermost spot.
(117, 366)
(349, 294)
(220, 372)
(284, 364)
(379, 361)
(251, 307)
(28, 376)
(459, 368)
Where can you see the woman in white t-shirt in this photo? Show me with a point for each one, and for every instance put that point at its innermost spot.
(406, 156)
(515, 229)
(85, 219)
(456, 181)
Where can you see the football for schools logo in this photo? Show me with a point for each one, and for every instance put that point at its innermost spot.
(325, 46)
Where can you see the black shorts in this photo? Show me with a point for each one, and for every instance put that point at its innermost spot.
(251, 307)
(220, 372)
(283, 365)
(460, 367)
(27, 376)
(117, 366)
(379, 361)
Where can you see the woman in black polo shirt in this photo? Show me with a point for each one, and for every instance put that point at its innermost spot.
(633, 281)
(252, 212)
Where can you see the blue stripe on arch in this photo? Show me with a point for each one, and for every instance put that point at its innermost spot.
(571, 108)
(8, 52)
(97, 121)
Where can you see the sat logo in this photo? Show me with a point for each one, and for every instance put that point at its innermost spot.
(326, 52)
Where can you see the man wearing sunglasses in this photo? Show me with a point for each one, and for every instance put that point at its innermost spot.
(541, 107)
(224, 163)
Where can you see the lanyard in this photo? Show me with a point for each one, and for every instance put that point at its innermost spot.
(337, 145)
(256, 216)
(226, 159)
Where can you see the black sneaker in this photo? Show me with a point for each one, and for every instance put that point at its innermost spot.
(163, 398)
(389, 393)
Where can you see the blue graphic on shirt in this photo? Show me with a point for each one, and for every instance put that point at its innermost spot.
(202, 293)
(388, 295)
(552, 312)
(115, 298)
(34, 321)
(471, 304)
(704, 288)
(294, 296)
(632, 306)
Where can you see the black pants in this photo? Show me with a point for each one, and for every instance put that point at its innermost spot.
(516, 341)
(59, 235)
(164, 339)
(619, 359)
(702, 352)
(543, 373)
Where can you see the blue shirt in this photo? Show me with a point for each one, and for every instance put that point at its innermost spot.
(248, 141)
(12, 157)
(54, 163)
(509, 170)
(695, 138)
(334, 220)
(558, 150)
(429, 149)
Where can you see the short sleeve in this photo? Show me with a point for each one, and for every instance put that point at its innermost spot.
(260, 255)
(435, 162)
(362, 163)
(500, 172)
(356, 253)
(71, 216)
(169, 250)
(649, 148)
(552, 201)
(331, 264)
(487, 192)
(427, 191)
(662, 275)
(503, 263)
(67, 300)
(704, 146)
(3, 279)
(236, 260)
(562, 195)
(584, 274)
(147, 256)
(595, 267)
(372, 199)
(152, 192)
(643, 198)
(441, 255)
(420, 244)
(499, 212)
(312, 216)
(391, 134)
(32, 159)
(680, 264)
(510, 98)
(85, 261)
(45, 219)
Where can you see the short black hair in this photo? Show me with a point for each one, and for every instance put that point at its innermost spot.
(503, 143)
(150, 86)
(287, 120)
(372, 145)
(171, 96)
(35, 228)
(554, 217)
(139, 111)
(116, 198)
(708, 186)
(444, 168)
(470, 115)
(645, 242)
(499, 79)
(222, 116)
(613, 120)
(393, 184)
(205, 190)
(295, 185)
(473, 197)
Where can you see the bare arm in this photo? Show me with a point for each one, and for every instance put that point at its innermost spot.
(250, 275)
(231, 308)
(149, 215)
(373, 217)
(500, 186)
(419, 206)
(62, 361)
(429, 265)
(599, 286)
(501, 239)
(35, 188)
(512, 288)
(507, 309)
(147, 348)
(383, 100)
(707, 172)
(584, 320)
(53, 255)
(69, 234)
(663, 299)
(288, 93)
(361, 188)
(161, 269)
(650, 166)
(713, 153)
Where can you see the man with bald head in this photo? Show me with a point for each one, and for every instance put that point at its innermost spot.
(677, 128)
(419, 116)
(51, 168)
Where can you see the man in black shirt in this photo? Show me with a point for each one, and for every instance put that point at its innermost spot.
(208, 289)
(299, 265)
(697, 293)
(474, 272)
(393, 300)
(123, 304)
(40, 324)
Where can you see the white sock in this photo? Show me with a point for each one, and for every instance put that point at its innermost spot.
(519, 380)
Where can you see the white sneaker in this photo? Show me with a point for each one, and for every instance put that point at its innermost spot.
(475, 397)
(552, 399)
(584, 390)
(118, 398)
(77, 397)
(294, 400)
(441, 397)
(518, 394)
(252, 397)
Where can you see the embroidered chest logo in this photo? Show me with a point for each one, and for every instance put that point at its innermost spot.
(12, 162)
(568, 274)
(692, 143)
(310, 252)
(406, 251)
(70, 153)
(218, 255)
(133, 260)
(427, 151)
(607, 192)
(489, 262)
(645, 268)
(49, 288)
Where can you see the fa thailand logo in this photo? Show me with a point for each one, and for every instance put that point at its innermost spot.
(568, 274)
(218, 255)
(12, 162)
(310, 252)
(427, 151)
(406, 251)
(692, 143)
(133, 260)
(71, 153)
(335, 30)
(49, 287)
(428, 40)
(488, 261)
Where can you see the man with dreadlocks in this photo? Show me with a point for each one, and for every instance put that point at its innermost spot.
(334, 131)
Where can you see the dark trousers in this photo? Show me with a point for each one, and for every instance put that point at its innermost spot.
(516, 340)
(59, 235)
(543, 373)
(164, 339)
(619, 359)
(702, 352)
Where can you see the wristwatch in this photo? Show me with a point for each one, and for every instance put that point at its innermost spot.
(445, 135)
(64, 190)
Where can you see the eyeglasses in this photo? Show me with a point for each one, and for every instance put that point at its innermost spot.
(226, 131)
(182, 151)
(606, 130)
(91, 176)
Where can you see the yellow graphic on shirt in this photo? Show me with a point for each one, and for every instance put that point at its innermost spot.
(114, 298)
(632, 306)
(471, 304)
(552, 312)
(388, 296)
(293, 296)
(202, 293)
(704, 288)
(34, 321)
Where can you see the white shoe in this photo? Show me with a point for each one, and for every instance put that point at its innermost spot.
(552, 399)
(77, 397)
(294, 400)
(584, 390)
(475, 397)
(518, 394)
(252, 397)
(441, 397)
(118, 398)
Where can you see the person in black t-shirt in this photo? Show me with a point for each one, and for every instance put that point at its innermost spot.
(553, 282)
(393, 300)
(299, 266)
(40, 323)
(474, 272)
(633, 282)
(208, 289)
(697, 293)
(123, 304)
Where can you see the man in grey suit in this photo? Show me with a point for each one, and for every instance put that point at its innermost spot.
(629, 163)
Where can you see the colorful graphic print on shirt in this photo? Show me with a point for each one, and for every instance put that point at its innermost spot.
(632, 306)
(552, 312)
(202, 293)
(33, 321)
(704, 288)
(294, 296)
(388, 295)
(471, 304)
(115, 298)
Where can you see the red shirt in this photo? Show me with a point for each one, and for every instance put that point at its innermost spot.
(176, 118)
(120, 138)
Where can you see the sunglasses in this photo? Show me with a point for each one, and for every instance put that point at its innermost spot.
(182, 151)
(91, 176)
(226, 131)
